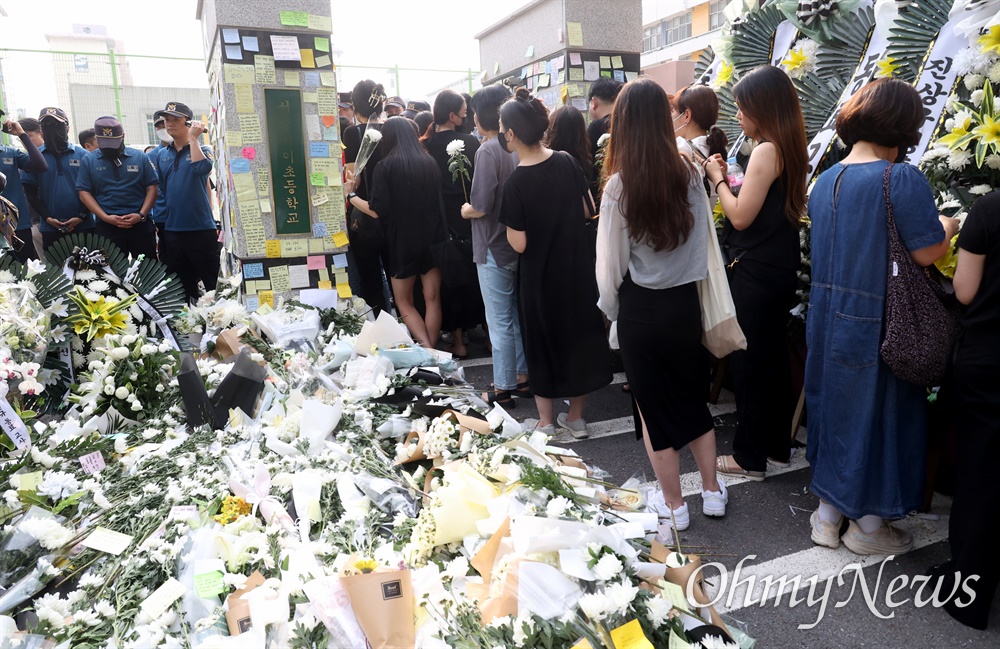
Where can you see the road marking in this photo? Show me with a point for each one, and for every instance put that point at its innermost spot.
(476, 362)
(623, 425)
(691, 482)
(823, 562)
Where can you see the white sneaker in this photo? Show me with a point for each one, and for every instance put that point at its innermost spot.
(577, 428)
(680, 516)
(714, 502)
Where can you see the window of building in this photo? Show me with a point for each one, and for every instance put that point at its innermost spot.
(715, 17)
(151, 131)
(678, 28)
(651, 38)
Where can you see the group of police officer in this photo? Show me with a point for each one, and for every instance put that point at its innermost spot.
(152, 204)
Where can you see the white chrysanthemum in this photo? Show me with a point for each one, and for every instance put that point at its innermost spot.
(974, 81)
(99, 286)
(958, 159)
(935, 153)
(980, 190)
(455, 147)
(557, 507)
(373, 134)
(601, 141)
(46, 531)
(58, 485)
(993, 161)
(41, 457)
(90, 580)
(608, 567)
(105, 609)
(658, 610)
(595, 606)
(48, 616)
(87, 618)
(621, 595)
(7, 277)
(994, 72)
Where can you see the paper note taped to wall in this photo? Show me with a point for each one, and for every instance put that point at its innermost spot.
(285, 48)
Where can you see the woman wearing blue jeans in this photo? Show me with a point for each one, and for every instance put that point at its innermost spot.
(495, 260)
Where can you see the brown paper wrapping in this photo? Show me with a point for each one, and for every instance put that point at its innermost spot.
(681, 576)
(238, 615)
(418, 453)
(229, 344)
(383, 604)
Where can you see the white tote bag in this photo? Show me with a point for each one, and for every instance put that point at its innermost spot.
(721, 333)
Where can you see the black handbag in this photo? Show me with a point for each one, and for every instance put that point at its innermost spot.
(453, 257)
(921, 314)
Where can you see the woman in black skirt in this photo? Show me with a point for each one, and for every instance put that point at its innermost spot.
(652, 247)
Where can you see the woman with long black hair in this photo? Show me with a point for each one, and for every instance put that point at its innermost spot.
(463, 305)
(405, 197)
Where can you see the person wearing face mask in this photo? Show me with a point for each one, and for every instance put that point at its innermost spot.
(159, 213)
(189, 243)
(694, 111)
(52, 193)
(118, 184)
(602, 95)
(87, 139)
(12, 162)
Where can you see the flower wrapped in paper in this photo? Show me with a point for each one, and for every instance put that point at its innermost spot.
(382, 600)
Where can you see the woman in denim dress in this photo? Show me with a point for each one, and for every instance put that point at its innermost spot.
(867, 428)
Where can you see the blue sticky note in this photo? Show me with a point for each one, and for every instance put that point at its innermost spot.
(312, 79)
(230, 36)
(250, 271)
(250, 44)
(239, 166)
(620, 75)
(233, 53)
(319, 229)
(524, 73)
(340, 261)
(331, 133)
(319, 149)
(253, 303)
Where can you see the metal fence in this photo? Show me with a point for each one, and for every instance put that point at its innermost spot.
(132, 87)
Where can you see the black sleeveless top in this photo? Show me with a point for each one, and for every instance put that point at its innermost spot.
(771, 239)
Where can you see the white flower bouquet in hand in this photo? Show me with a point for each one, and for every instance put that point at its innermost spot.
(370, 140)
(458, 164)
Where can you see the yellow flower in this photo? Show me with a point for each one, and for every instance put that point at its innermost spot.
(989, 130)
(99, 318)
(990, 41)
(957, 133)
(887, 67)
(366, 565)
(796, 59)
(947, 263)
(725, 74)
(232, 509)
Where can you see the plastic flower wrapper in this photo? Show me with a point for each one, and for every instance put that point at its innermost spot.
(290, 327)
(24, 324)
(197, 405)
(369, 142)
(26, 553)
(404, 355)
(332, 605)
(258, 493)
(387, 495)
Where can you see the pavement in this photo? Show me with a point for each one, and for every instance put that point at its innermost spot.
(767, 528)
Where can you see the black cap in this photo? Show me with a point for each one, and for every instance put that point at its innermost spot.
(176, 109)
(418, 106)
(395, 101)
(109, 132)
(51, 112)
(344, 100)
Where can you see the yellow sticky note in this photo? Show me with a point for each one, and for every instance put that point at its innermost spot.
(344, 290)
(630, 636)
(161, 598)
(328, 78)
(272, 248)
(251, 287)
(250, 127)
(325, 284)
(316, 246)
(264, 309)
(605, 61)
(263, 285)
(244, 97)
(320, 23)
(291, 78)
(583, 644)
(675, 594)
(280, 279)
(264, 72)
(307, 58)
(340, 239)
(617, 63)
(234, 138)
(294, 248)
(235, 73)
(574, 34)
(323, 61)
(310, 97)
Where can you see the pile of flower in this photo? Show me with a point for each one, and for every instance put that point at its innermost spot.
(350, 491)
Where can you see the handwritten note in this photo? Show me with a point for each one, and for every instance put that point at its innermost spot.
(93, 463)
(234, 138)
(273, 248)
(616, 62)
(252, 302)
(316, 262)
(294, 248)
(340, 261)
(319, 229)
(298, 276)
(209, 584)
(630, 636)
(253, 232)
(323, 61)
(160, 599)
(249, 153)
(344, 290)
(574, 58)
(312, 79)
(605, 61)
(244, 97)
(326, 101)
(328, 79)
(575, 74)
(264, 181)
(265, 205)
(280, 281)
(317, 179)
(252, 271)
(340, 239)
(294, 18)
(320, 23)
(239, 166)
(264, 69)
(234, 73)
(324, 275)
(292, 78)
(574, 34)
(320, 199)
(324, 284)
(250, 127)
(104, 540)
(285, 48)
(319, 149)
(321, 44)
(266, 297)
(316, 247)
(591, 71)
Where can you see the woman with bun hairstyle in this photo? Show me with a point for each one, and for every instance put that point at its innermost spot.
(694, 111)
(463, 307)
(760, 239)
(651, 252)
(406, 199)
(546, 204)
(366, 235)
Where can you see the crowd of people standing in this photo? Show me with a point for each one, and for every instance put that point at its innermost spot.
(578, 248)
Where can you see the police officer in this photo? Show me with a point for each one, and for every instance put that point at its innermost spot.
(12, 161)
(118, 184)
(52, 193)
(189, 246)
(159, 213)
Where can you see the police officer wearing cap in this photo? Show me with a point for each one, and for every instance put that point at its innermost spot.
(159, 213)
(12, 162)
(189, 244)
(52, 193)
(118, 184)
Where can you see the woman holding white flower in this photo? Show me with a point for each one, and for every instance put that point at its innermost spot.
(462, 301)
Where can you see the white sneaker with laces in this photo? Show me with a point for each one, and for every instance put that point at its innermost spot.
(714, 502)
(680, 516)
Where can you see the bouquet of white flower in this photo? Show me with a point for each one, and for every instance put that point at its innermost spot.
(458, 164)
(368, 143)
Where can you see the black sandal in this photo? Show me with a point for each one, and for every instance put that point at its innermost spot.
(523, 391)
(502, 398)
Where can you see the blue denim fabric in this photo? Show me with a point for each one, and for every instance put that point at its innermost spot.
(499, 287)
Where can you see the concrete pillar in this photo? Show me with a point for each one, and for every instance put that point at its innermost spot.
(278, 153)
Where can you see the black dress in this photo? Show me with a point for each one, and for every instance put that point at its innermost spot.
(366, 235)
(462, 308)
(410, 212)
(564, 337)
